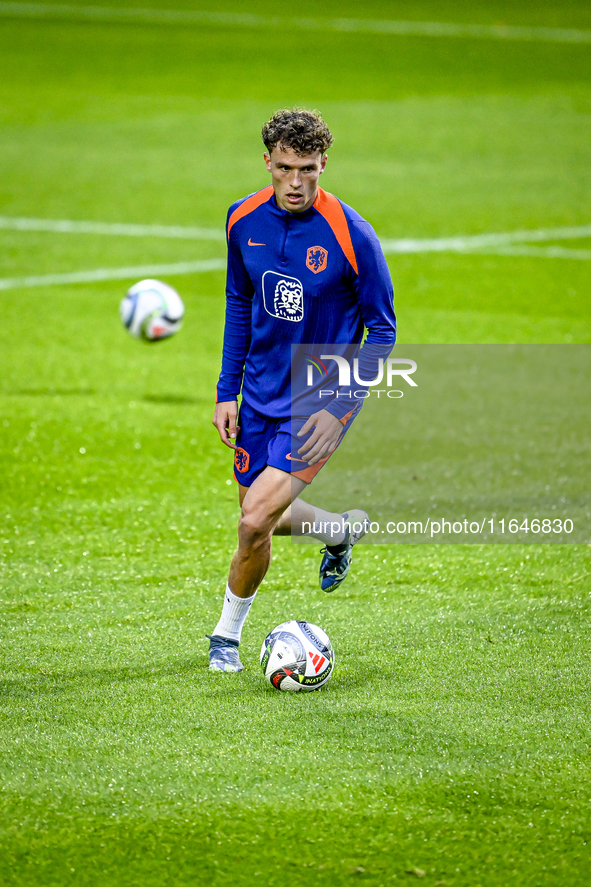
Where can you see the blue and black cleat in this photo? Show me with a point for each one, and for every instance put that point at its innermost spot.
(336, 560)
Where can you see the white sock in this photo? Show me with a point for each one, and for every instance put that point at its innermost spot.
(328, 527)
(234, 613)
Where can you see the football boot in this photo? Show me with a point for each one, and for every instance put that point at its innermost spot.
(336, 560)
(223, 654)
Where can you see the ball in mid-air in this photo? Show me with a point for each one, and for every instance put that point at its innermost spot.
(297, 656)
(152, 310)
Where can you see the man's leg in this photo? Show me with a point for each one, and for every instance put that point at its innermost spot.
(271, 505)
(295, 518)
(339, 532)
(302, 519)
(263, 504)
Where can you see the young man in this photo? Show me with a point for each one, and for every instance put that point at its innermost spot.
(302, 268)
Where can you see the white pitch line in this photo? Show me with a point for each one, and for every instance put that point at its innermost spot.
(549, 252)
(101, 274)
(491, 244)
(346, 25)
(479, 241)
(69, 226)
(389, 246)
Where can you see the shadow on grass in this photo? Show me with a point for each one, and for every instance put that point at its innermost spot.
(175, 399)
(52, 392)
(64, 682)
(58, 682)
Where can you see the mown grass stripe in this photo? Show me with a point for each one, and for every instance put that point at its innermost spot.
(478, 241)
(497, 244)
(249, 20)
(550, 252)
(389, 245)
(101, 274)
(69, 226)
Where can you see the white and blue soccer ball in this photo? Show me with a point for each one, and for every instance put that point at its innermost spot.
(297, 656)
(152, 310)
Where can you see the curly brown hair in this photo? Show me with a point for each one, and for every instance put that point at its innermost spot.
(305, 132)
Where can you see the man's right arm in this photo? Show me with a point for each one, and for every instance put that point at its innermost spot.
(237, 335)
(224, 419)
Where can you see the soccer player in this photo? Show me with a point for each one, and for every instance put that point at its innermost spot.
(302, 268)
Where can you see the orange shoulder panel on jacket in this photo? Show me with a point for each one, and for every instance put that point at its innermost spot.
(251, 203)
(329, 207)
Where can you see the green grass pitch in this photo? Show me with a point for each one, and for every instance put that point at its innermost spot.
(452, 743)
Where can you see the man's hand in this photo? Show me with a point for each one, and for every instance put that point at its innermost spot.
(224, 419)
(324, 438)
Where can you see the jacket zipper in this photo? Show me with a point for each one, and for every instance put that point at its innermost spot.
(283, 257)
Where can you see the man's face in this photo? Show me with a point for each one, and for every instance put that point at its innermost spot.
(295, 178)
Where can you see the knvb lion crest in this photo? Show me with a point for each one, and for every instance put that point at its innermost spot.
(288, 300)
(316, 259)
(241, 460)
(283, 296)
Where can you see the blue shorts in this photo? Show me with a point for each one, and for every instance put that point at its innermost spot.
(262, 441)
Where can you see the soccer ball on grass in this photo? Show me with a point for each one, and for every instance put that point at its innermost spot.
(297, 656)
(152, 310)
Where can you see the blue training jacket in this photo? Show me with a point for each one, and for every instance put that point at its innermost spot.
(314, 277)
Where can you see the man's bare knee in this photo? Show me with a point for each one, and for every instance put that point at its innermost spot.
(254, 530)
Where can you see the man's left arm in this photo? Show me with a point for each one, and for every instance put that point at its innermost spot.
(375, 293)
